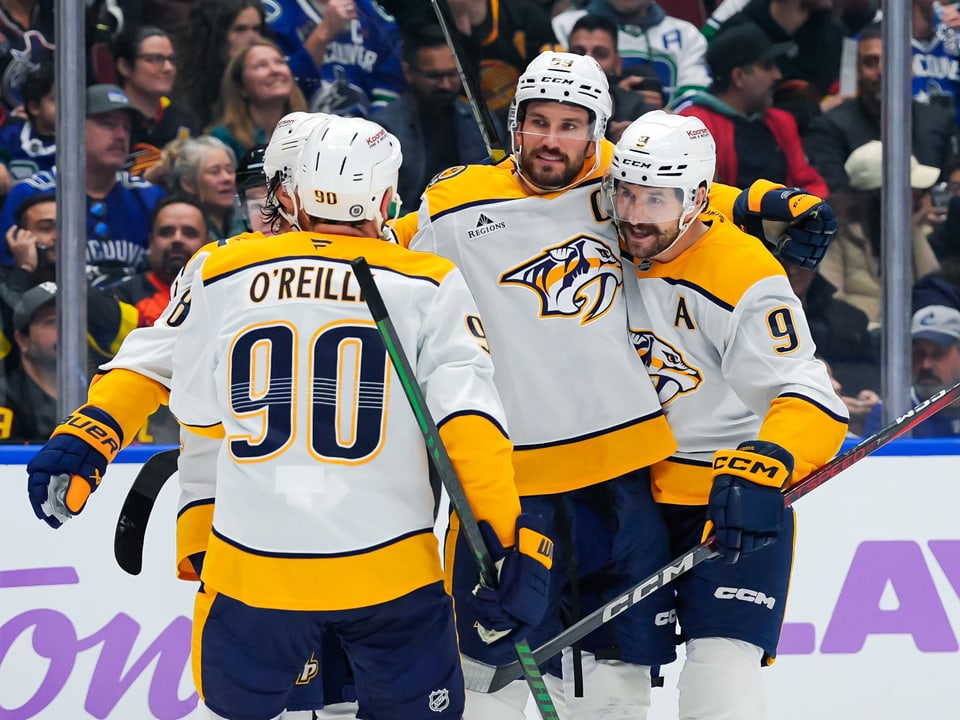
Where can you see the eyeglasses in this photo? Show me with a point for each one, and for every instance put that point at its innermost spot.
(98, 211)
(157, 59)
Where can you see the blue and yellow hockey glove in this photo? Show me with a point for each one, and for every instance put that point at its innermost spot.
(746, 503)
(71, 464)
(797, 225)
(520, 600)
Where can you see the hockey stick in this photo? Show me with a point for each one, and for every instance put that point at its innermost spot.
(471, 84)
(135, 513)
(489, 678)
(448, 476)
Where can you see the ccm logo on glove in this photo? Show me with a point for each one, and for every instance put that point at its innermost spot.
(750, 466)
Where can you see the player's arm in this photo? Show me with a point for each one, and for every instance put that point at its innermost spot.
(456, 372)
(72, 463)
(797, 225)
(768, 359)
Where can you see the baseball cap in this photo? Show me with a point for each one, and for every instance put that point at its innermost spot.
(31, 301)
(864, 167)
(743, 44)
(107, 98)
(937, 323)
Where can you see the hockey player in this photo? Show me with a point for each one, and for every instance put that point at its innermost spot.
(727, 346)
(142, 369)
(284, 339)
(541, 262)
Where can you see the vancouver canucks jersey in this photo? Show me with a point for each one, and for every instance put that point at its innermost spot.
(726, 343)
(674, 48)
(546, 275)
(361, 71)
(323, 500)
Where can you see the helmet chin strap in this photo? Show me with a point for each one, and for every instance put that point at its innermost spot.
(291, 218)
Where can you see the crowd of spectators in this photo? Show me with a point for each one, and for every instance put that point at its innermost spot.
(178, 92)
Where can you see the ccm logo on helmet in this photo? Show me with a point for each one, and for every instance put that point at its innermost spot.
(561, 80)
(751, 596)
(754, 467)
(636, 163)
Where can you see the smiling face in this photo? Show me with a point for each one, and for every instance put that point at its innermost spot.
(648, 218)
(554, 141)
(216, 180)
(266, 75)
(179, 230)
(153, 71)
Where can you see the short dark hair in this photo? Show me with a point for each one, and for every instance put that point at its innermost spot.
(873, 31)
(29, 202)
(425, 36)
(591, 22)
(176, 198)
(126, 45)
(36, 84)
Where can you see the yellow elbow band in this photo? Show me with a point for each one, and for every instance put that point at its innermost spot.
(536, 545)
(759, 469)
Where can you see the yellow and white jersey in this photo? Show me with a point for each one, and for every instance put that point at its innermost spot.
(323, 499)
(547, 277)
(727, 345)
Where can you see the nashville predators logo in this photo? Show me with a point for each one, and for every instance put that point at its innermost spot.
(580, 277)
(310, 670)
(669, 371)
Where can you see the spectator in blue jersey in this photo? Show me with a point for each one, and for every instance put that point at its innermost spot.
(147, 68)
(118, 205)
(344, 54)
(935, 337)
(257, 90)
(831, 137)
(30, 147)
(215, 30)
(935, 78)
(434, 125)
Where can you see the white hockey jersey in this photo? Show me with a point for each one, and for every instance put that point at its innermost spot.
(546, 275)
(323, 500)
(675, 48)
(727, 345)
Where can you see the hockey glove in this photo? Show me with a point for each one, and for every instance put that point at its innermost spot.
(521, 597)
(799, 226)
(71, 464)
(746, 503)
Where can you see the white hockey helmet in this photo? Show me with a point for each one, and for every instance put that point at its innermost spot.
(567, 78)
(287, 141)
(663, 150)
(345, 168)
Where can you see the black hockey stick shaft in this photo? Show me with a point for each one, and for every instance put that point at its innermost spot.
(471, 83)
(526, 666)
(137, 506)
(489, 678)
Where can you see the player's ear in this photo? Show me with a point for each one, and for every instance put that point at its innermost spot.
(387, 210)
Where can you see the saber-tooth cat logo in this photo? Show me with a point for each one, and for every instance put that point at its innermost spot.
(485, 226)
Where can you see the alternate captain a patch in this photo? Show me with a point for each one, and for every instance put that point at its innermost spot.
(669, 371)
(581, 277)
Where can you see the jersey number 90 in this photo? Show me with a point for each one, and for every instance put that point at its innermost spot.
(346, 398)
